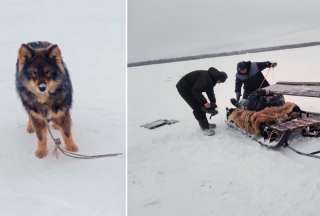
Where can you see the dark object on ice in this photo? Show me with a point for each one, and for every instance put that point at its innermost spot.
(275, 135)
(221, 54)
(258, 100)
(192, 85)
(158, 123)
(253, 79)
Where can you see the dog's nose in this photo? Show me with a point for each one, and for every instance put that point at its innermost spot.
(42, 87)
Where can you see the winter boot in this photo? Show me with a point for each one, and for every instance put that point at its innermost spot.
(203, 123)
(205, 127)
(208, 132)
(212, 125)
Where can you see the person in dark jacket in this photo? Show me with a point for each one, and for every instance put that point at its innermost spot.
(261, 98)
(192, 85)
(249, 75)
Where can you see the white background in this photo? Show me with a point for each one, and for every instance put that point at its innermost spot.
(91, 35)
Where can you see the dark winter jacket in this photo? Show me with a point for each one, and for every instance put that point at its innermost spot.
(253, 80)
(200, 81)
(261, 99)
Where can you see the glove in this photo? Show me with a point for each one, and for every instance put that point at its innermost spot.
(211, 110)
(238, 95)
(274, 64)
(271, 64)
(213, 105)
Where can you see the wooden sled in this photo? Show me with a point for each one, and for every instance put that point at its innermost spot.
(305, 123)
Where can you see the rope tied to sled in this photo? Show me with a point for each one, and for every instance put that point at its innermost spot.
(58, 147)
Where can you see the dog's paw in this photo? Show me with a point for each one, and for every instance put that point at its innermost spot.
(72, 147)
(41, 152)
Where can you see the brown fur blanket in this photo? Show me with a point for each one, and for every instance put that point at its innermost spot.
(250, 121)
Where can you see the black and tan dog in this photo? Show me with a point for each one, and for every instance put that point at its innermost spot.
(44, 86)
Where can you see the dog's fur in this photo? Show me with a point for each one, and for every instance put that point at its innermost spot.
(251, 121)
(41, 64)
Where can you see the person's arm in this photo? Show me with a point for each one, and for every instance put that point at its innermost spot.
(264, 65)
(211, 96)
(197, 90)
(239, 84)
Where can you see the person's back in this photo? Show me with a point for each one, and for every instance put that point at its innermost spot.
(192, 85)
(188, 80)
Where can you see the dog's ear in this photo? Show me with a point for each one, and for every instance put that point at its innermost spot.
(54, 53)
(229, 111)
(25, 53)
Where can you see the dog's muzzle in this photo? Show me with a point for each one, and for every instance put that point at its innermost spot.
(42, 87)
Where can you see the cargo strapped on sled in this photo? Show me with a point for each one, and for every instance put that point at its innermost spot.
(304, 89)
(307, 123)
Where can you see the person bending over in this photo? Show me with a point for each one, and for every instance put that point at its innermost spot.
(249, 75)
(192, 85)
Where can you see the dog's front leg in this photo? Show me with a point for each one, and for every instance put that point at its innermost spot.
(30, 128)
(64, 124)
(41, 129)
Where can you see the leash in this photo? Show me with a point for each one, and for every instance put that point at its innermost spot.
(311, 154)
(57, 143)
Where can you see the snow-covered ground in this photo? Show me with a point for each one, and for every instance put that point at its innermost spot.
(175, 170)
(174, 28)
(91, 35)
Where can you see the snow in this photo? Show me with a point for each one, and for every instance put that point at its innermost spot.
(91, 35)
(174, 28)
(175, 170)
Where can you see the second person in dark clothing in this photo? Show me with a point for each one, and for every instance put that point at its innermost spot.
(249, 75)
(192, 85)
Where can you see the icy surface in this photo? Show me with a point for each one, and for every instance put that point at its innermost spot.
(91, 37)
(173, 28)
(175, 170)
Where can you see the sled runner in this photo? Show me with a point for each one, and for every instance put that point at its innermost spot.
(158, 123)
(277, 135)
(280, 122)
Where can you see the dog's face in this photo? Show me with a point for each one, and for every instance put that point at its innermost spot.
(229, 111)
(41, 71)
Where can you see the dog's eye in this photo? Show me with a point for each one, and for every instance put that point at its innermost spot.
(34, 73)
(47, 73)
